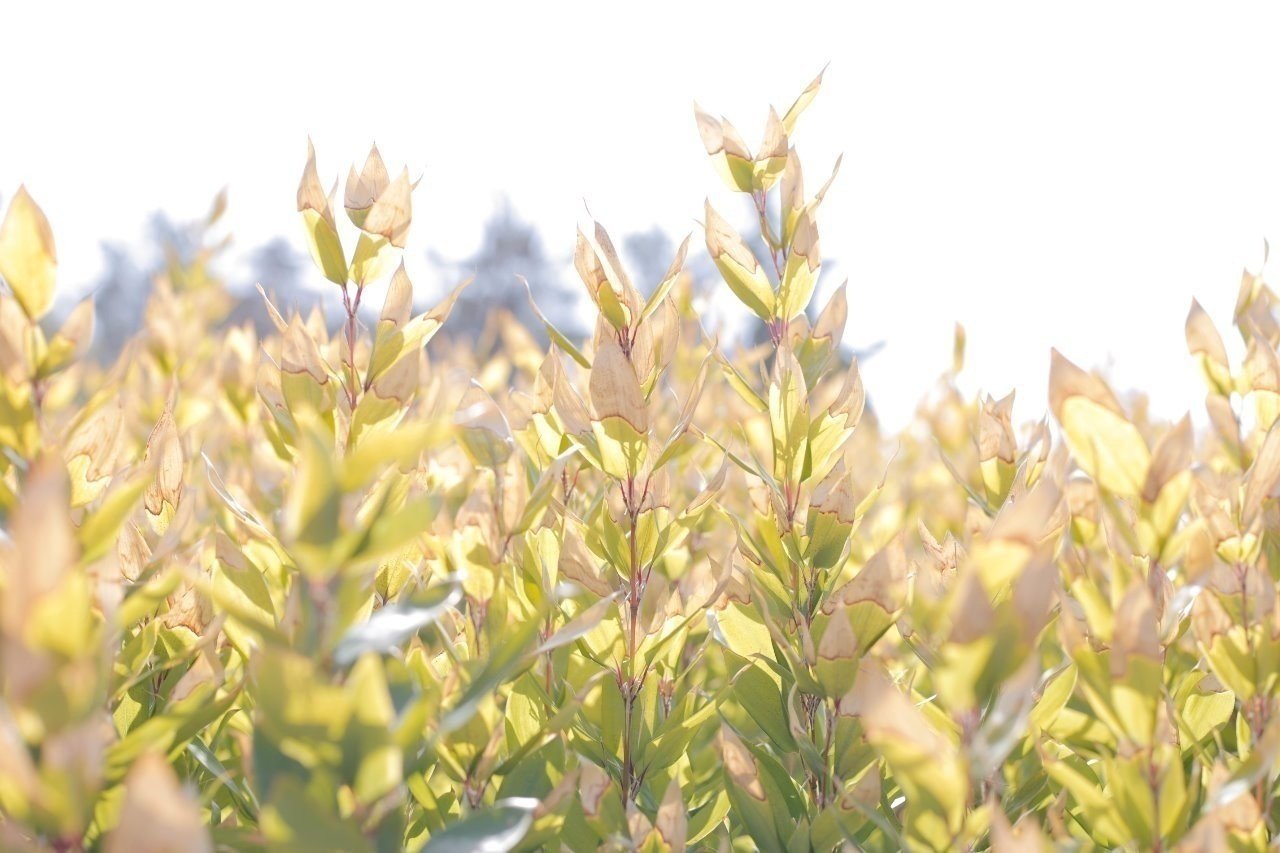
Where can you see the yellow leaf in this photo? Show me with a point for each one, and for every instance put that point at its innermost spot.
(1204, 342)
(157, 815)
(1105, 444)
(801, 273)
(372, 258)
(317, 218)
(772, 159)
(615, 389)
(365, 188)
(806, 97)
(28, 261)
(739, 266)
(391, 215)
(728, 152)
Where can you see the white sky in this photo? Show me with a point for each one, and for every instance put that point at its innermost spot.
(1067, 176)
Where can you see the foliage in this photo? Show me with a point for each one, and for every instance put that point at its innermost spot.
(315, 590)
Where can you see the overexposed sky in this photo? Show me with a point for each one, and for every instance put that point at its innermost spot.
(1066, 175)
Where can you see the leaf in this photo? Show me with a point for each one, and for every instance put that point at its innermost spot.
(237, 509)
(739, 266)
(312, 510)
(802, 102)
(747, 795)
(394, 624)
(97, 534)
(372, 259)
(728, 152)
(1108, 447)
(598, 266)
(788, 418)
(496, 829)
(240, 589)
(71, 342)
(394, 341)
(578, 626)
(391, 531)
(1205, 344)
(483, 429)
(240, 792)
(319, 224)
(668, 281)
(1172, 455)
(672, 823)
(772, 156)
(292, 820)
(365, 188)
(557, 337)
(164, 451)
(615, 388)
(304, 377)
(503, 662)
(739, 383)
(1263, 475)
(157, 815)
(800, 275)
(924, 762)
(28, 260)
(391, 215)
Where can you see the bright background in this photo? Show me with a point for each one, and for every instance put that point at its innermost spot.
(1062, 176)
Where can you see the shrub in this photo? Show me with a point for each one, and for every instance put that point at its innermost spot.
(320, 591)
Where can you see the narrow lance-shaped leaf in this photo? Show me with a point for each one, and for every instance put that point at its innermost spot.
(495, 829)
(557, 337)
(321, 228)
(395, 623)
(1204, 343)
(802, 102)
(800, 275)
(579, 625)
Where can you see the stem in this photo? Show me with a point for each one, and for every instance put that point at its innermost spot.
(761, 199)
(778, 255)
(1256, 710)
(548, 667)
(352, 308)
(631, 686)
(1153, 780)
(37, 384)
(320, 596)
(628, 770)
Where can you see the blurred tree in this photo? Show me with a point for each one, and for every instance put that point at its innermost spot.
(281, 270)
(121, 292)
(510, 247)
(649, 253)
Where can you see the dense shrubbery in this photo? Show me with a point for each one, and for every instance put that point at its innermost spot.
(320, 590)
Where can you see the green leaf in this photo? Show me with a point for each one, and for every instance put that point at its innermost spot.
(738, 266)
(28, 261)
(293, 821)
(325, 246)
(496, 829)
(98, 533)
(392, 625)
(557, 337)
